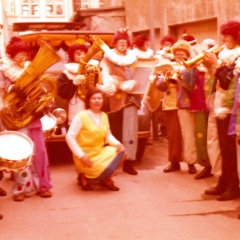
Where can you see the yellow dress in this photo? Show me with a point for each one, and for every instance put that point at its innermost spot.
(91, 139)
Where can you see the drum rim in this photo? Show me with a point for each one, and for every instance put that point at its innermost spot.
(28, 159)
(8, 132)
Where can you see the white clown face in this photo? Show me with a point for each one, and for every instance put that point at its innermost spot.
(122, 45)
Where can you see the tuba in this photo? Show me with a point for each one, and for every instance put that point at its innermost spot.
(32, 91)
(198, 60)
(91, 72)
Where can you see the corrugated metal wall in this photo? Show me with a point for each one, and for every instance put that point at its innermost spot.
(200, 30)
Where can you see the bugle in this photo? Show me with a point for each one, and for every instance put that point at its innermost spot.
(194, 62)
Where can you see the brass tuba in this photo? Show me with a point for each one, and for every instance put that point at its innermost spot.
(198, 60)
(91, 72)
(32, 91)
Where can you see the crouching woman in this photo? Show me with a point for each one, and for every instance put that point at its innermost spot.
(96, 152)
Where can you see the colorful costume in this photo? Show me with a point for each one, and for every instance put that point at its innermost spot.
(36, 176)
(122, 106)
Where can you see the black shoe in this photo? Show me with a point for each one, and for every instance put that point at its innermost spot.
(172, 167)
(205, 173)
(110, 187)
(128, 168)
(79, 181)
(230, 194)
(220, 188)
(2, 192)
(83, 182)
(191, 169)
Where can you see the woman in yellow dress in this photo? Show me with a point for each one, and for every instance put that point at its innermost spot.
(96, 152)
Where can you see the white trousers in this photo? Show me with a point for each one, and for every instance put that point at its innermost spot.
(186, 120)
(213, 146)
(130, 131)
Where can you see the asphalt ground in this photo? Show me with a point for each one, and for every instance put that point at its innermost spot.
(152, 205)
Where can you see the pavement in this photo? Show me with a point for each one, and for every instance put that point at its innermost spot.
(151, 206)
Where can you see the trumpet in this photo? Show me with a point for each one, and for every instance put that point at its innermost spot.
(198, 60)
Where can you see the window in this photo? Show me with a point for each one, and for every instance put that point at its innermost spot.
(9, 6)
(54, 8)
(99, 3)
(30, 8)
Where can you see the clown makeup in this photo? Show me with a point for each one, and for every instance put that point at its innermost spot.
(180, 55)
(21, 58)
(229, 41)
(167, 44)
(78, 55)
(122, 46)
(145, 46)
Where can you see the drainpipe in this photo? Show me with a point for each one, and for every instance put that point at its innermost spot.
(151, 25)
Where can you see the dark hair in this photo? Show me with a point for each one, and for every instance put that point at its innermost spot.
(74, 48)
(90, 92)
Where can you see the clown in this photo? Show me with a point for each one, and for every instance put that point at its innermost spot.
(117, 68)
(222, 68)
(34, 178)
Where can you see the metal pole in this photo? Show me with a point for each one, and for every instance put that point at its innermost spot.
(151, 25)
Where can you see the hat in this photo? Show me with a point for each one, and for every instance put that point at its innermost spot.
(189, 38)
(208, 43)
(139, 40)
(74, 47)
(231, 28)
(122, 33)
(181, 45)
(15, 46)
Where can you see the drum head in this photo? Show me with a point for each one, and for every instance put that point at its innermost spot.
(15, 145)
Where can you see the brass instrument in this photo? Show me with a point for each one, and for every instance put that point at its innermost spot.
(91, 72)
(171, 78)
(152, 96)
(32, 91)
(198, 60)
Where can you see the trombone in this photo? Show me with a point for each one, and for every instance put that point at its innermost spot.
(198, 60)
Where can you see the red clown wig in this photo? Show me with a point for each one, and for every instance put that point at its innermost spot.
(74, 48)
(122, 33)
(139, 40)
(15, 46)
(168, 38)
(231, 28)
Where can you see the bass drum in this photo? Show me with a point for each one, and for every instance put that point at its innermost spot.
(16, 151)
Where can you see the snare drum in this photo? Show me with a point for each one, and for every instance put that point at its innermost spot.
(16, 150)
(49, 123)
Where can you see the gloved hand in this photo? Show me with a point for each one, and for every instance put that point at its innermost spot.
(127, 86)
(108, 89)
(79, 79)
(221, 113)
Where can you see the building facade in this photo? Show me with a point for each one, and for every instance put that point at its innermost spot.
(200, 18)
